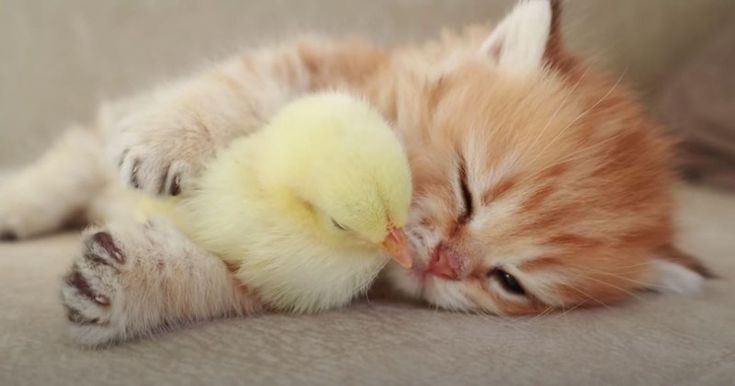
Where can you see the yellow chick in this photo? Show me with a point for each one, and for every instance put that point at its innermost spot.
(310, 207)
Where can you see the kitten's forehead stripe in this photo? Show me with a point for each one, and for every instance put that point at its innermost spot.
(497, 192)
(575, 241)
(553, 172)
(538, 197)
(504, 169)
(539, 264)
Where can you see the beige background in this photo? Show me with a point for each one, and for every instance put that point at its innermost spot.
(59, 58)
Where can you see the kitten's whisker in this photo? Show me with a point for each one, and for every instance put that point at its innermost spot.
(636, 265)
(588, 296)
(512, 124)
(580, 116)
(592, 270)
(545, 312)
(631, 293)
(568, 310)
(558, 109)
(578, 154)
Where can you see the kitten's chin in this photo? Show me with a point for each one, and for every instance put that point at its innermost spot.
(409, 282)
(418, 284)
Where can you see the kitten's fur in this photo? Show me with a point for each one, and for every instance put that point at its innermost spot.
(526, 163)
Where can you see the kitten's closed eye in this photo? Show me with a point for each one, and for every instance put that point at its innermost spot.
(467, 202)
(507, 281)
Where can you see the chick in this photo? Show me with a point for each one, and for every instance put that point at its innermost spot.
(309, 208)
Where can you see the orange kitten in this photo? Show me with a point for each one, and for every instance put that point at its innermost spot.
(539, 183)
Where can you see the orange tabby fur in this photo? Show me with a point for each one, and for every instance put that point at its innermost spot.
(572, 181)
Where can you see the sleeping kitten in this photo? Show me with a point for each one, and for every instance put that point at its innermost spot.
(540, 184)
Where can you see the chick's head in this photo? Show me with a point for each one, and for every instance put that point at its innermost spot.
(343, 171)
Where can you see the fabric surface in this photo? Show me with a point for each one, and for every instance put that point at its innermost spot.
(651, 340)
(699, 105)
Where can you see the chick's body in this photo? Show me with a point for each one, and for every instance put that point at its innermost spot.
(302, 205)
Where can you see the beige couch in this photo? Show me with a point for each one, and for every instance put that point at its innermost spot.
(59, 58)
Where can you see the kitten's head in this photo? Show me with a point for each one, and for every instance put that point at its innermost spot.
(538, 184)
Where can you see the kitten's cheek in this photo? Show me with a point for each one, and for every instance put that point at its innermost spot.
(404, 280)
(448, 294)
(434, 292)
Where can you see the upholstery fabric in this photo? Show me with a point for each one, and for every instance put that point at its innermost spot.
(653, 339)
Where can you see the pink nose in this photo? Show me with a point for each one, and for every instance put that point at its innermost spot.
(445, 263)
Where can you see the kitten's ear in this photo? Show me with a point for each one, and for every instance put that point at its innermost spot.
(676, 271)
(528, 38)
(518, 42)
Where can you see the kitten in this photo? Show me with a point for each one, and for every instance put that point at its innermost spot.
(540, 184)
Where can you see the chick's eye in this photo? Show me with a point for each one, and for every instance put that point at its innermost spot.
(507, 281)
(338, 225)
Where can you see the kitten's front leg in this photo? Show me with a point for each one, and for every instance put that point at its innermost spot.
(163, 139)
(132, 279)
(161, 145)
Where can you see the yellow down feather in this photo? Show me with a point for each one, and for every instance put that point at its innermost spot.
(303, 204)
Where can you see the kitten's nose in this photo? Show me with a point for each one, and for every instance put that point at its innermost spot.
(445, 263)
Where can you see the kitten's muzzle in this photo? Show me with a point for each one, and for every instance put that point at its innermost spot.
(445, 263)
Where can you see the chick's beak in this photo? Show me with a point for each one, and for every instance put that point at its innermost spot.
(396, 245)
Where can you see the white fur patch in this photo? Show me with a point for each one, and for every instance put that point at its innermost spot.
(518, 43)
(672, 277)
(503, 170)
(448, 294)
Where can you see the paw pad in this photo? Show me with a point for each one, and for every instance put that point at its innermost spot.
(104, 240)
(76, 280)
(76, 317)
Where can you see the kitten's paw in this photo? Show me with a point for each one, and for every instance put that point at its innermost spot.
(159, 152)
(146, 168)
(91, 292)
(128, 278)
